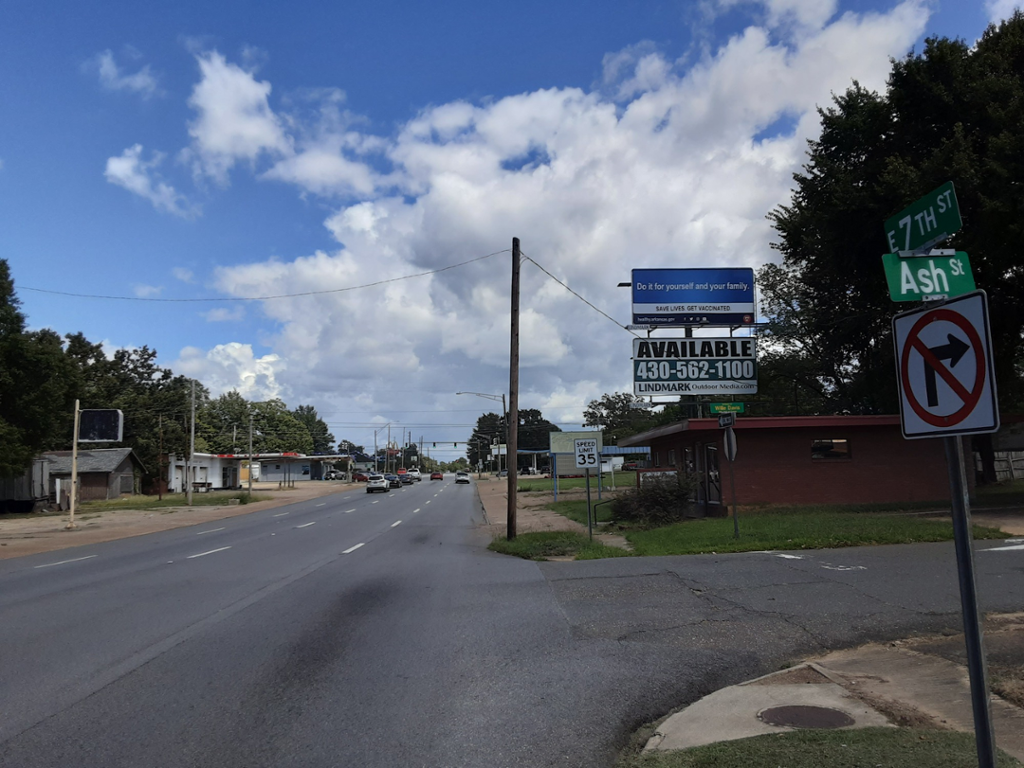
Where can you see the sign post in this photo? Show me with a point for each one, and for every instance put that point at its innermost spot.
(947, 389)
(726, 422)
(586, 459)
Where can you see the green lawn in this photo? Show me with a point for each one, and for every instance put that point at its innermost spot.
(622, 480)
(211, 499)
(858, 748)
(779, 528)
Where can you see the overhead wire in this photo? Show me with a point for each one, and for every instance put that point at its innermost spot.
(570, 290)
(264, 298)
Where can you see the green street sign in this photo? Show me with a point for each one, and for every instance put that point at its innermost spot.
(928, 221)
(927, 277)
(728, 407)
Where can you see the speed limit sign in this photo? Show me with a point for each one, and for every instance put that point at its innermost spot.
(586, 453)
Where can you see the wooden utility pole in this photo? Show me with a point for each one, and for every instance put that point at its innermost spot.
(513, 396)
(74, 469)
(192, 447)
(250, 455)
(160, 463)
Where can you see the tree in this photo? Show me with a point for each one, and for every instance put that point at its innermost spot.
(36, 387)
(276, 430)
(347, 446)
(618, 415)
(225, 423)
(323, 440)
(487, 432)
(954, 112)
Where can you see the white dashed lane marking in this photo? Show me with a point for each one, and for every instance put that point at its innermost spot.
(1004, 549)
(280, 514)
(349, 510)
(203, 554)
(350, 550)
(398, 522)
(62, 562)
(212, 530)
(324, 504)
(306, 525)
(415, 511)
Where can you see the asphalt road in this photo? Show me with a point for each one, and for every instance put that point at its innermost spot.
(376, 630)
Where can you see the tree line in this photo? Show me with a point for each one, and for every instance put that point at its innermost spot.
(42, 374)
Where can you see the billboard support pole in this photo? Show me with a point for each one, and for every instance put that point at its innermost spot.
(74, 470)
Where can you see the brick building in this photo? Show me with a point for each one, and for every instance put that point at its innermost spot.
(805, 460)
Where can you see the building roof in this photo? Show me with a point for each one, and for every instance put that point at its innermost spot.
(764, 422)
(92, 460)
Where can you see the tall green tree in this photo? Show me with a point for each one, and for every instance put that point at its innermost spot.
(323, 440)
(36, 385)
(276, 430)
(225, 423)
(487, 432)
(953, 112)
(618, 415)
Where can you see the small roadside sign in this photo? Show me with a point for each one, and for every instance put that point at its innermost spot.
(728, 407)
(926, 222)
(726, 420)
(729, 444)
(926, 278)
(586, 453)
(945, 371)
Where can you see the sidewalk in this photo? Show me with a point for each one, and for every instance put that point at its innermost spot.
(874, 685)
(31, 535)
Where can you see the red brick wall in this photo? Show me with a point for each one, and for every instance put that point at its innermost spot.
(774, 466)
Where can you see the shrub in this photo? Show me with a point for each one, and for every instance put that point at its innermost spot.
(658, 500)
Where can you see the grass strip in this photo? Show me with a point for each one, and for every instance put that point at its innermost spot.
(541, 545)
(857, 748)
(795, 530)
(622, 480)
(212, 499)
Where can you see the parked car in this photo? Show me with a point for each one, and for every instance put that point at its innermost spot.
(503, 473)
(360, 477)
(462, 477)
(394, 481)
(415, 474)
(376, 483)
(437, 476)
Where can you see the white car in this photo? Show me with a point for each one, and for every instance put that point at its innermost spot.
(414, 474)
(461, 477)
(376, 483)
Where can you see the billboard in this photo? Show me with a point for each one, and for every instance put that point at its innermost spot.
(100, 426)
(695, 366)
(677, 297)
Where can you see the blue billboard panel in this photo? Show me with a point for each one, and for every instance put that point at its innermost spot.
(712, 296)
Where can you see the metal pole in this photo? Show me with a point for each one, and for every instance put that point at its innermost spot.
(983, 736)
(74, 469)
(250, 454)
(735, 514)
(513, 391)
(590, 522)
(192, 446)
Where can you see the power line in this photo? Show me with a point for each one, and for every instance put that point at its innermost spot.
(570, 290)
(262, 298)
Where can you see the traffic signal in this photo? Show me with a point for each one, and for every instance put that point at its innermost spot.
(435, 445)
(455, 445)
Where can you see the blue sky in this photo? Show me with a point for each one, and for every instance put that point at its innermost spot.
(228, 150)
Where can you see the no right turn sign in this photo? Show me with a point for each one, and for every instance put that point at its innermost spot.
(944, 369)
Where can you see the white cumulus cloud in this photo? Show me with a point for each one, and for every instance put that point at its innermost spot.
(113, 78)
(130, 171)
(233, 366)
(1002, 9)
(665, 166)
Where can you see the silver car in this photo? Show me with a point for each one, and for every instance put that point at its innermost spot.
(376, 483)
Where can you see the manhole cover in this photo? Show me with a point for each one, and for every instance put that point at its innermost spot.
(805, 717)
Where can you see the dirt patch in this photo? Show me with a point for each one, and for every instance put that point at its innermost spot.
(1004, 651)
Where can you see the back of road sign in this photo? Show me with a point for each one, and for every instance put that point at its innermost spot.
(944, 369)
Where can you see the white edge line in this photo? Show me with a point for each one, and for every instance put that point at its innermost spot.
(306, 525)
(398, 522)
(73, 560)
(350, 550)
(201, 554)
(212, 530)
